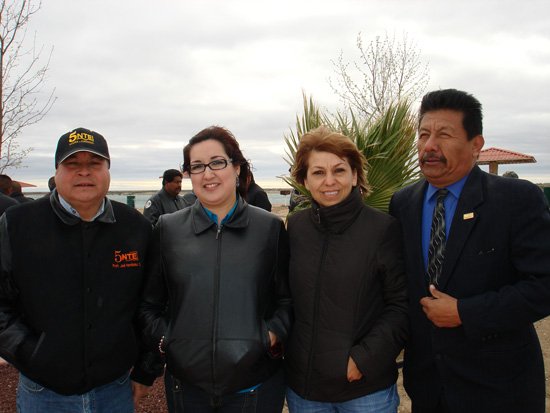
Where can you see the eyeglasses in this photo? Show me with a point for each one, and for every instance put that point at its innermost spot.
(216, 165)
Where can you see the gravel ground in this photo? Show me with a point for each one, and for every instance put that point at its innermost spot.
(154, 402)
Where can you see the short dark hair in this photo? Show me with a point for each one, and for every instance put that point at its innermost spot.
(15, 186)
(459, 101)
(5, 183)
(51, 183)
(169, 175)
(231, 147)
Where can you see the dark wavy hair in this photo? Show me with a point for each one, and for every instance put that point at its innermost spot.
(459, 101)
(231, 147)
(322, 139)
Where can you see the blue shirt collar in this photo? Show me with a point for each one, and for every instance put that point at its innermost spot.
(454, 189)
(214, 217)
(74, 212)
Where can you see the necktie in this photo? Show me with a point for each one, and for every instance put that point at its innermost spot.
(436, 248)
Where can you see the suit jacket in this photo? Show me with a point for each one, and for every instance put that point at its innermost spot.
(497, 264)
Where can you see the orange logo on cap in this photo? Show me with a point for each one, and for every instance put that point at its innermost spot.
(80, 137)
(126, 259)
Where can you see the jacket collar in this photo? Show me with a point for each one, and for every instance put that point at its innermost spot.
(201, 221)
(108, 215)
(336, 218)
(464, 220)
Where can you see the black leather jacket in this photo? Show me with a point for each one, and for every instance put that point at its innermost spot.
(227, 288)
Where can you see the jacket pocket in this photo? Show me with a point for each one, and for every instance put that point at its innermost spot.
(35, 357)
(166, 339)
(265, 337)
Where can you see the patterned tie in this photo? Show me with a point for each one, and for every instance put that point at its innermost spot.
(436, 249)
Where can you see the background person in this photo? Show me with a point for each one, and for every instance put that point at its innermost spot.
(255, 195)
(347, 278)
(51, 186)
(17, 194)
(167, 199)
(68, 296)
(5, 191)
(510, 174)
(224, 267)
(51, 183)
(473, 347)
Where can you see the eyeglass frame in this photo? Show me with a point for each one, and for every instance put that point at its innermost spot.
(204, 165)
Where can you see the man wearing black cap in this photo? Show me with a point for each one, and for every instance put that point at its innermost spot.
(68, 298)
(167, 199)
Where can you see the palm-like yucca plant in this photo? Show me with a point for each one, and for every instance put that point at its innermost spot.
(387, 142)
(311, 119)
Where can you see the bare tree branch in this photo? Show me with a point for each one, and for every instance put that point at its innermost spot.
(387, 71)
(22, 76)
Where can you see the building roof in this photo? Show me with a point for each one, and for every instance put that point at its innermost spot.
(503, 156)
(26, 185)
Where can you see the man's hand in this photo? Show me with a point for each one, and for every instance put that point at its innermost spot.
(139, 391)
(441, 309)
(353, 372)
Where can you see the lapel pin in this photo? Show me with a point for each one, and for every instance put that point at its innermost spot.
(469, 215)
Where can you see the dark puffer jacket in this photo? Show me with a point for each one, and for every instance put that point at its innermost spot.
(347, 279)
(226, 290)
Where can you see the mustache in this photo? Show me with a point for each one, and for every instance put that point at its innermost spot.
(440, 158)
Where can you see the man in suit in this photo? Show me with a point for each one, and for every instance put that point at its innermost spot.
(476, 292)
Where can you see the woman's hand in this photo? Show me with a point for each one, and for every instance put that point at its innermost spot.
(273, 338)
(353, 372)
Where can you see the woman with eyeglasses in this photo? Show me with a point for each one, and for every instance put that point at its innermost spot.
(217, 301)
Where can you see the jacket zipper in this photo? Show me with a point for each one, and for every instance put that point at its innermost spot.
(216, 309)
(315, 315)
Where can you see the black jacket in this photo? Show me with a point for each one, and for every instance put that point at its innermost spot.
(226, 290)
(69, 291)
(6, 202)
(162, 203)
(347, 278)
(19, 197)
(255, 195)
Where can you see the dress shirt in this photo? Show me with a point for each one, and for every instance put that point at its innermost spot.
(450, 203)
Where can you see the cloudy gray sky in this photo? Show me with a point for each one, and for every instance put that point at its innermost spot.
(148, 75)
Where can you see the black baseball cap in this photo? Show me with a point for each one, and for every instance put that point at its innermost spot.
(81, 140)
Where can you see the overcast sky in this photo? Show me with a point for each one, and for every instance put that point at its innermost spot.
(148, 75)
